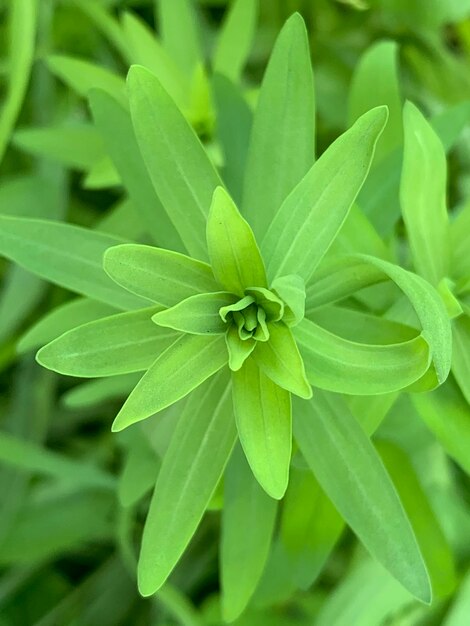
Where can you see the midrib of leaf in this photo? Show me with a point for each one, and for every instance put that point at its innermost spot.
(124, 344)
(265, 426)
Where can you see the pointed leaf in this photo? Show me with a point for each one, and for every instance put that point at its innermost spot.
(311, 216)
(350, 471)
(197, 315)
(122, 147)
(164, 276)
(291, 289)
(139, 473)
(248, 519)
(192, 467)
(182, 367)
(282, 144)
(423, 196)
(99, 391)
(238, 349)
(279, 358)
(233, 251)
(180, 170)
(120, 344)
(180, 33)
(263, 415)
(69, 256)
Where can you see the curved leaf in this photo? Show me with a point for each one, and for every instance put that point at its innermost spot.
(197, 315)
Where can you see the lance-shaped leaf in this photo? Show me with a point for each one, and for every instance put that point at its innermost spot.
(120, 344)
(310, 526)
(461, 353)
(122, 147)
(235, 258)
(282, 140)
(248, 519)
(350, 471)
(163, 276)
(180, 33)
(182, 367)
(423, 196)
(291, 289)
(431, 540)
(180, 170)
(69, 256)
(140, 470)
(279, 358)
(197, 315)
(235, 38)
(61, 319)
(458, 613)
(238, 349)
(344, 366)
(263, 415)
(193, 464)
(310, 217)
(98, 391)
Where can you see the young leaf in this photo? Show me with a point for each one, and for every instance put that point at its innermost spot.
(61, 319)
(179, 167)
(350, 471)
(197, 315)
(156, 274)
(263, 415)
(22, 28)
(312, 214)
(378, 66)
(67, 255)
(182, 367)
(431, 540)
(238, 349)
(200, 447)
(423, 196)
(233, 251)
(235, 39)
(279, 358)
(248, 519)
(291, 289)
(120, 344)
(82, 76)
(122, 147)
(282, 140)
(180, 33)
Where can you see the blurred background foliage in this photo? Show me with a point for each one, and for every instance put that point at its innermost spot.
(71, 516)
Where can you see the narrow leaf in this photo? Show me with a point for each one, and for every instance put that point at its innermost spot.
(282, 147)
(182, 367)
(351, 473)
(233, 251)
(120, 344)
(180, 33)
(311, 216)
(197, 315)
(263, 415)
(99, 391)
(159, 275)
(291, 289)
(192, 467)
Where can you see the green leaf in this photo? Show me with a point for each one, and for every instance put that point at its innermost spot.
(235, 39)
(179, 167)
(96, 392)
(310, 217)
(349, 470)
(282, 144)
(124, 151)
(233, 251)
(343, 366)
(180, 33)
(234, 119)
(238, 349)
(164, 276)
(20, 294)
(423, 196)
(192, 467)
(146, 50)
(82, 76)
(61, 319)
(22, 20)
(140, 471)
(263, 415)
(446, 413)
(431, 540)
(248, 519)
(279, 358)
(182, 367)
(69, 256)
(460, 353)
(291, 289)
(78, 147)
(310, 527)
(378, 66)
(458, 612)
(120, 344)
(197, 315)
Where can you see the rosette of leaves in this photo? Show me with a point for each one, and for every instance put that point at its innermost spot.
(225, 311)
